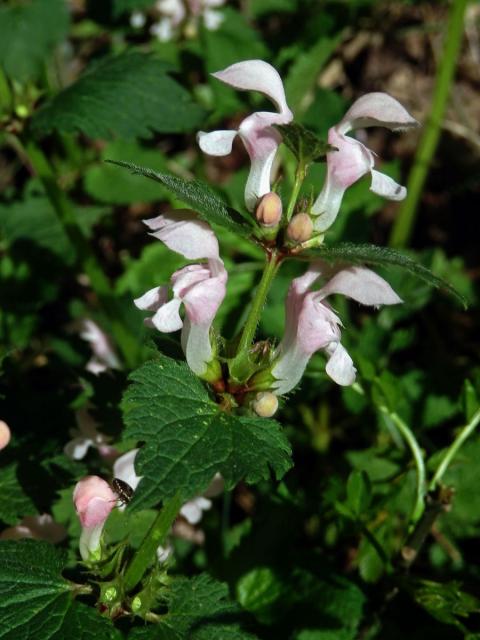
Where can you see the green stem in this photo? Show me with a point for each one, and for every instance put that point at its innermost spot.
(259, 299)
(155, 536)
(125, 340)
(299, 178)
(403, 227)
(452, 450)
(414, 447)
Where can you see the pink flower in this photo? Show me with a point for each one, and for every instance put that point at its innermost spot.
(5, 434)
(312, 325)
(353, 160)
(261, 140)
(200, 288)
(104, 356)
(94, 500)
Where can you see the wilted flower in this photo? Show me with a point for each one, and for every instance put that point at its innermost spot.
(200, 288)
(5, 434)
(352, 160)
(312, 325)
(94, 500)
(261, 140)
(40, 527)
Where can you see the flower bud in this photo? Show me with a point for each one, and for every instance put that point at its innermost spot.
(300, 228)
(269, 210)
(94, 500)
(265, 404)
(4, 434)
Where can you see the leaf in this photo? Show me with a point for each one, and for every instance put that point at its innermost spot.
(129, 95)
(198, 609)
(28, 33)
(358, 492)
(304, 144)
(188, 438)
(383, 257)
(303, 73)
(446, 602)
(36, 602)
(34, 221)
(196, 194)
(14, 503)
(103, 182)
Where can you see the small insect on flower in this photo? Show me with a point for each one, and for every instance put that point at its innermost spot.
(123, 490)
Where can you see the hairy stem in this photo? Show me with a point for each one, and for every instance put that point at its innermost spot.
(403, 227)
(155, 536)
(125, 340)
(258, 302)
(452, 450)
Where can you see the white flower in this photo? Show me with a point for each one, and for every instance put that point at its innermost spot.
(261, 140)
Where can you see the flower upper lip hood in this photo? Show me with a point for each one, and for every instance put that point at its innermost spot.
(352, 159)
(201, 288)
(261, 140)
(312, 325)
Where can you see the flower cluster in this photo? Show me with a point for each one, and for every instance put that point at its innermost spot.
(311, 324)
(182, 15)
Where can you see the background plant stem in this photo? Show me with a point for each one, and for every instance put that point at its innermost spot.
(155, 537)
(452, 450)
(404, 223)
(127, 343)
(413, 445)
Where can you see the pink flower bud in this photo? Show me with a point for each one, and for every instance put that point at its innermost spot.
(5, 434)
(265, 404)
(94, 500)
(300, 228)
(269, 210)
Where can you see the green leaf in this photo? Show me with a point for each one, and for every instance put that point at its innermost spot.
(446, 602)
(36, 602)
(196, 194)
(358, 492)
(28, 33)
(34, 221)
(14, 503)
(198, 609)
(258, 590)
(129, 95)
(304, 144)
(383, 257)
(188, 438)
(103, 182)
(303, 73)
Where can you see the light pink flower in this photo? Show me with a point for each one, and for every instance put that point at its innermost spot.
(104, 355)
(40, 527)
(200, 288)
(353, 159)
(94, 500)
(312, 325)
(5, 434)
(261, 140)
